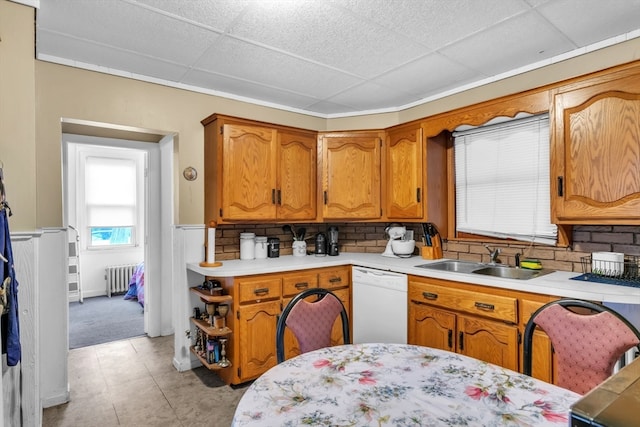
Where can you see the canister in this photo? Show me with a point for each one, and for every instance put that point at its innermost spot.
(273, 247)
(247, 245)
(261, 247)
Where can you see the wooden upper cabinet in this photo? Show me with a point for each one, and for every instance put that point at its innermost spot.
(297, 189)
(595, 154)
(249, 172)
(256, 172)
(351, 175)
(404, 180)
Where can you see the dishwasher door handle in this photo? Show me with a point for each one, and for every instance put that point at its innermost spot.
(375, 273)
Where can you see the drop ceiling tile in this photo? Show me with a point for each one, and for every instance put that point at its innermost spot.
(61, 46)
(217, 15)
(371, 96)
(436, 23)
(257, 64)
(599, 20)
(321, 33)
(126, 26)
(330, 108)
(236, 88)
(515, 43)
(426, 76)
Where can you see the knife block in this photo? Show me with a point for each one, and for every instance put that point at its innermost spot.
(434, 251)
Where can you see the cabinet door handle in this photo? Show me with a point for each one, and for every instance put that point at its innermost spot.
(325, 197)
(430, 295)
(302, 285)
(450, 338)
(280, 197)
(261, 291)
(485, 306)
(418, 196)
(335, 280)
(273, 196)
(461, 340)
(560, 186)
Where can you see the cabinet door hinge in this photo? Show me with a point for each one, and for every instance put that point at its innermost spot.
(519, 338)
(238, 314)
(220, 212)
(221, 130)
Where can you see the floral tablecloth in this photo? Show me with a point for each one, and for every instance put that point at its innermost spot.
(398, 385)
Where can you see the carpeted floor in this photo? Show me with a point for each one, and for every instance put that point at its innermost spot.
(102, 319)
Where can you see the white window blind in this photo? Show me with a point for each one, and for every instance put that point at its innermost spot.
(502, 180)
(110, 191)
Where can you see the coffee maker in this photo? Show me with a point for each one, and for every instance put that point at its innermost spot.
(332, 244)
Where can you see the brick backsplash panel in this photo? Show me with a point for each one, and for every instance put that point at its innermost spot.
(371, 238)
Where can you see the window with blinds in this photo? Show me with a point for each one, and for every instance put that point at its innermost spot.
(502, 180)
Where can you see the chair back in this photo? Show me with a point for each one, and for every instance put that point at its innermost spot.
(311, 321)
(586, 345)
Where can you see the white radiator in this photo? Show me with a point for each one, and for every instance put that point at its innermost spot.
(118, 277)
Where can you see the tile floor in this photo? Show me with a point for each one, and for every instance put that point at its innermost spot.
(133, 383)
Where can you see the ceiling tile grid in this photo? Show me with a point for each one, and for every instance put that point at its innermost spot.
(329, 58)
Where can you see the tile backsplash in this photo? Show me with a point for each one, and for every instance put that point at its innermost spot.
(371, 238)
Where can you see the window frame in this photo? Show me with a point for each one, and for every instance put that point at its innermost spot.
(114, 153)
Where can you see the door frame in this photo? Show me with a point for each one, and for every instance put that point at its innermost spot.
(159, 215)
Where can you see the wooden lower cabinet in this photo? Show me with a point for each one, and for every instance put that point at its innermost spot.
(344, 295)
(488, 340)
(256, 338)
(542, 364)
(477, 321)
(258, 302)
(431, 327)
(482, 339)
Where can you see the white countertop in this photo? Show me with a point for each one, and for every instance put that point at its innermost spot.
(557, 283)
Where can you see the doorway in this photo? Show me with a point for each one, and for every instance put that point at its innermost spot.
(157, 217)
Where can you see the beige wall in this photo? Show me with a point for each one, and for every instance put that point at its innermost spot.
(70, 93)
(30, 122)
(17, 112)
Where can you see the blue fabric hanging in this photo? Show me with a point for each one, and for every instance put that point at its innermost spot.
(9, 284)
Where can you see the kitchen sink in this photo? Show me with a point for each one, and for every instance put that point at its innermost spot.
(453, 265)
(510, 272)
(503, 271)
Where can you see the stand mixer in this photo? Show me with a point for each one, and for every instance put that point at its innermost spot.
(394, 232)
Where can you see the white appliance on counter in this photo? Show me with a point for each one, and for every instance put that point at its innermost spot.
(379, 312)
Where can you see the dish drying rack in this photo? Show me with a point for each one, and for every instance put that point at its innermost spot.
(625, 273)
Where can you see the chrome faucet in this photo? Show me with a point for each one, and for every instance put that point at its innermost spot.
(493, 254)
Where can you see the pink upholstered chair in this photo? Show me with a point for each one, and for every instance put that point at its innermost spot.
(311, 321)
(587, 345)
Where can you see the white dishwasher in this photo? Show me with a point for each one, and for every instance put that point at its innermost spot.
(379, 306)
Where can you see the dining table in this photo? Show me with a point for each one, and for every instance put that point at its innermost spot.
(378, 384)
